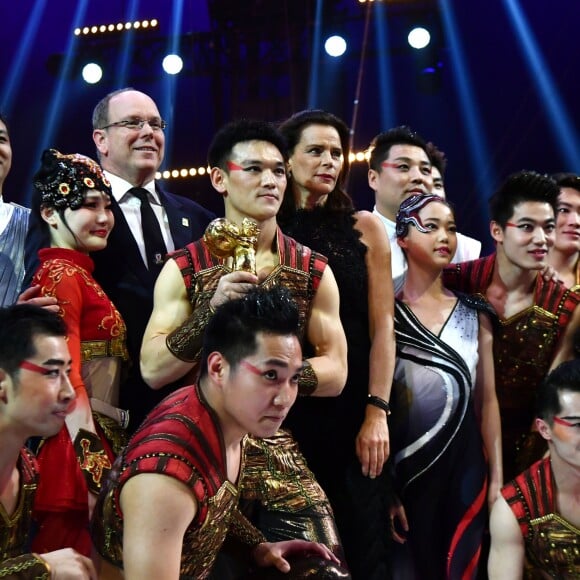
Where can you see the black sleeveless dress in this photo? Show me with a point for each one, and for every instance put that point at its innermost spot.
(326, 427)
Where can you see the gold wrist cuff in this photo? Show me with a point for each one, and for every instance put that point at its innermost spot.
(25, 567)
(308, 380)
(186, 340)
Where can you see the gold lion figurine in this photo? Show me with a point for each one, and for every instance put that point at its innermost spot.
(226, 239)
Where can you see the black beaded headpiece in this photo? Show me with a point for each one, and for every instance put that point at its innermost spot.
(62, 180)
(409, 212)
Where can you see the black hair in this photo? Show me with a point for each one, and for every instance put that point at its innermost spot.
(19, 324)
(522, 187)
(77, 174)
(565, 377)
(437, 157)
(241, 131)
(567, 180)
(292, 130)
(381, 145)
(233, 329)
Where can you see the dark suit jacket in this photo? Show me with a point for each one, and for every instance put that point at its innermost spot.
(120, 270)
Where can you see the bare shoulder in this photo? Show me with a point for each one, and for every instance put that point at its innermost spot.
(372, 229)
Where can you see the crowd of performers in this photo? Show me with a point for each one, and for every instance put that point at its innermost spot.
(297, 389)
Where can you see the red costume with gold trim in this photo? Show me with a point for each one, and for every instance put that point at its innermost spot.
(95, 333)
(524, 346)
(180, 438)
(15, 527)
(299, 269)
(552, 544)
(278, 489)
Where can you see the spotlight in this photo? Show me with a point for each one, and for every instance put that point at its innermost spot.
(335, 46)
(172, 64)
(419, 37)
(92, 73)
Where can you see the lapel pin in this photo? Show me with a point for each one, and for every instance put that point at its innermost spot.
(185, 222)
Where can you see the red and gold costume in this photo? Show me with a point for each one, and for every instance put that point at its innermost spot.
(180, 438)
(96, 340)
(278, 492)
(524, 346)
(15, 527)
(299, 269)
(552, 544)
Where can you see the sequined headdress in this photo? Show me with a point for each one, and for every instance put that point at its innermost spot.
(409, 212)
(62, 180)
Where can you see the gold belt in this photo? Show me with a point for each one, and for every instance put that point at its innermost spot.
(91, 349)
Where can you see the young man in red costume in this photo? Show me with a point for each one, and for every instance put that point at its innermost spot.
(35, 397)
(536, 319)
(247, 160)
(535, 524)
(174, 493)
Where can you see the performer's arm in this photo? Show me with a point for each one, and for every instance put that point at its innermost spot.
(326, 335)
(171, 307)
(372, 443)
(157, 509)
(565, 350)
(489, 417)
(174, 334)
(506, 557)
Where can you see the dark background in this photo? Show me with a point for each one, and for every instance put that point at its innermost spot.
(257, 58)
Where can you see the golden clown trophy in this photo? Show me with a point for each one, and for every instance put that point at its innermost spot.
(225, 239)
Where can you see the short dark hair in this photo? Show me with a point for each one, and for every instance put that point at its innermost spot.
(567, 180)
(101, 110)
(565, 377)
(241, 131)
(437, 157)
(522, 187)
(19, 324)
(381, 145)
(233, 329)
(292, 130)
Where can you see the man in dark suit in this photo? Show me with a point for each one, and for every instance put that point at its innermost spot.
(149, 222)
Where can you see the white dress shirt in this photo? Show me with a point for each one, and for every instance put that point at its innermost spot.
(131, 208)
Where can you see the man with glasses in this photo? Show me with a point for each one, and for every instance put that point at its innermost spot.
(149, 222)
(535, 523)
(535, 319)
(173, 496)
(35, 397)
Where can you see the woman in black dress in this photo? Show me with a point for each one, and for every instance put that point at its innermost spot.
(345, 439)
